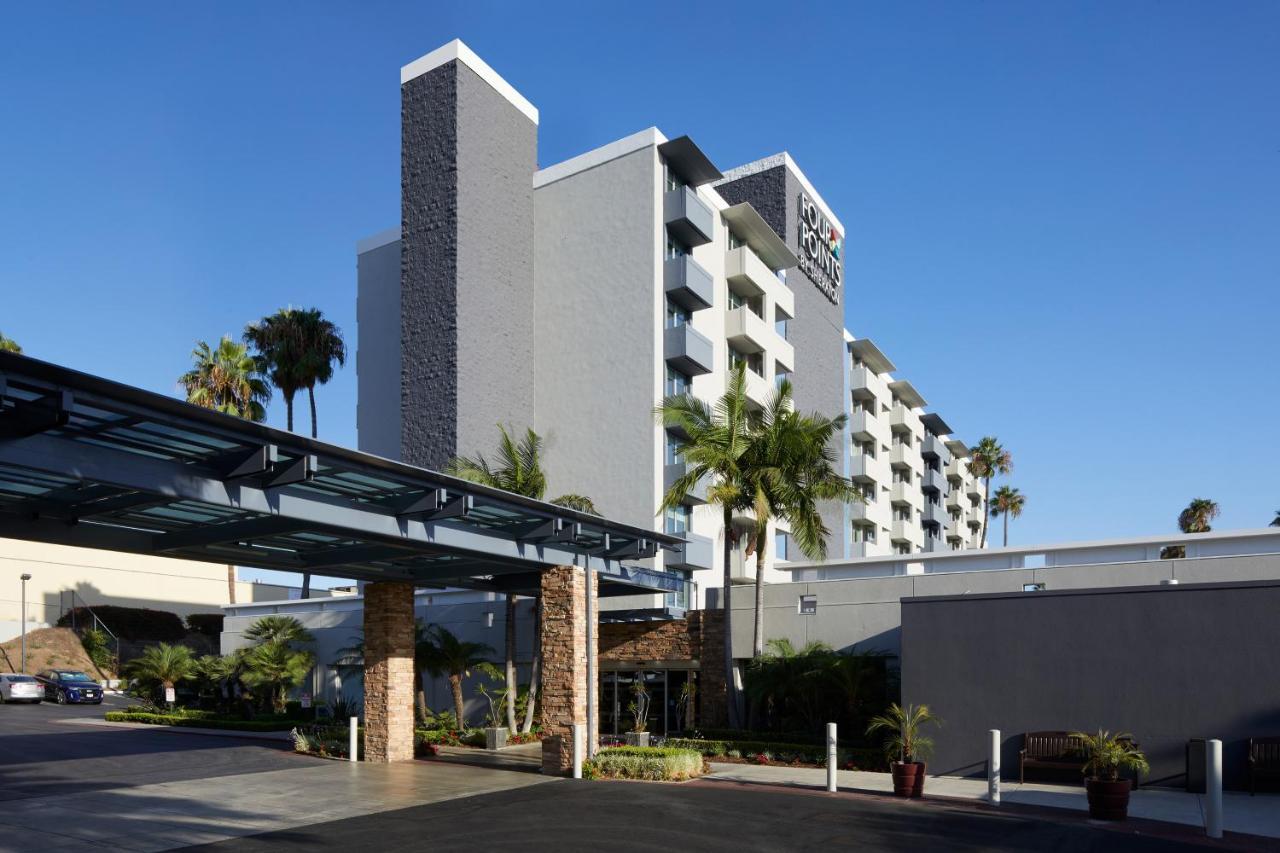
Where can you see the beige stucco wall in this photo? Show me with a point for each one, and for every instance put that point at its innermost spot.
(108, 577)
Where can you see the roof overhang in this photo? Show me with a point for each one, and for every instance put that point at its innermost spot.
(93, 463)
(687, 159)
(935, 424)
(958, 448)
(907, 393)
(865, 349)
(746, 222)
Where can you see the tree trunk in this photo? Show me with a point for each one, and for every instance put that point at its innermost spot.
(1006, 530)
(311, 396)
(762, 536)
(512, 686)
(986, 509)
(536, 671)
(421, 696)
(288, 411)
(455, 684)
(730, 688)
(231, 584)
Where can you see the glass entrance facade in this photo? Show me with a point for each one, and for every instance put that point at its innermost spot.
(673, 699)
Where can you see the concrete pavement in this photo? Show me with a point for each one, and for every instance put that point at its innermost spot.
(1258, 815)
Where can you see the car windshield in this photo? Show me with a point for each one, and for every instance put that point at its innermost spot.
(19, 678)
(73, 676)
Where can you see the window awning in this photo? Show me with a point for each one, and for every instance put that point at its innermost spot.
(88, 462)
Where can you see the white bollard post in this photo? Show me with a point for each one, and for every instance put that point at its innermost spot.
(1213, 788)
(831, 757)
(993, 769)
(577, 751)
(353, 747)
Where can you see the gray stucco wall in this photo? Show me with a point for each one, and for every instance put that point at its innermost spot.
(497, 155)
(597, 324)
(429, 266)
(817, 332)
(378, 350)
(1165, 663)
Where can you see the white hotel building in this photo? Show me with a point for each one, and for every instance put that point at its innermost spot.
(573, 297)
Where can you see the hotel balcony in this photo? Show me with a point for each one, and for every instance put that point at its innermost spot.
(747, 274)
(673, 472)
(687, 284)
(904, 531)
(748, 332)
(865, 549)
(934, 446)
(693, 555)
(906, 418)
(687, 350)
(935, 543)
(974, 489)
(864, 468)
(759, 389)
(935, 480)
(957, 468)
(936, 514)
(687, 217)
(904, 455)
(864, 378)
(955, 501)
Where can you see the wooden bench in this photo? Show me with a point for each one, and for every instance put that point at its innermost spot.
(1264, 760)
(1057, 750)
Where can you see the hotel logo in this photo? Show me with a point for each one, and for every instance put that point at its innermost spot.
(821, 248)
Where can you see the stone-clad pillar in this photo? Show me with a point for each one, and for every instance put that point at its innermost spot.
(563, 697)
(388, 671)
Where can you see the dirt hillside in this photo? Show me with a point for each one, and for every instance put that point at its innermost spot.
(48, 648)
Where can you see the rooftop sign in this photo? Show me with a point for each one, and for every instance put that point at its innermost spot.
(821, 247)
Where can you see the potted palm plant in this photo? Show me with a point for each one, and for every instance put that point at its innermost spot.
(1107, 756)
(906, 741)
(639, 708)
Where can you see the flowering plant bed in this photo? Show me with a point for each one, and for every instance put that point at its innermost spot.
(651, 763)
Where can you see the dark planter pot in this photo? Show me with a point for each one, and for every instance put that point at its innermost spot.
(1108, 800)
(908, 778)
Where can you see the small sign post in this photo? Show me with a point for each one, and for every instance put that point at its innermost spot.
(306, 700)
(170, 695)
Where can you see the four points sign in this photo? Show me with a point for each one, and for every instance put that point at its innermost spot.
(821, 247)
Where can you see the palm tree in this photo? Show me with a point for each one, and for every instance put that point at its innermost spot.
(298, 348)
(9, 344)
(784, 682)
(164, 665)
(789, 467)
(904, 727)
(227, 380)
(1275, 522)
(986, 459)
(440, 653)
(1008, 502)
(278, 667)
(278, 629)
(712, 442)
(1196, 517)
(517, 468)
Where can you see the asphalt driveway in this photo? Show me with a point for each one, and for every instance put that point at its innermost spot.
(40, 755)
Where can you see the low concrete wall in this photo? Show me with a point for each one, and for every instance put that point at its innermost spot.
(1165, 663)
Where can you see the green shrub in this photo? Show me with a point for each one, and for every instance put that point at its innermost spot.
(862, 758)
(209, 624)
(654, 763)
(99, 647)
(166, 719)
(326, 741)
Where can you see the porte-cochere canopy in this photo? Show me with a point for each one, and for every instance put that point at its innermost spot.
(90, 462)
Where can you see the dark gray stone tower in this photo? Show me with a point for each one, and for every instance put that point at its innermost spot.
(468, 154)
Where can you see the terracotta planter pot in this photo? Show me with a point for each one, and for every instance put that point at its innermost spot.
(1108, 800)
(908, 778)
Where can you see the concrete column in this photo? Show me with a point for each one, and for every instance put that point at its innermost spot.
(388, 672)
(563, 696)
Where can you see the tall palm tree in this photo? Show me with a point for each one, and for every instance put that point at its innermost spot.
(227, 380)
(1275, 522)
(164, 665)
(1008, 502)
(1196, 517)
(712, 441)
(278, 629)
(516, 468)
(9, 344)
(298, 349)
(986, 459)
(788, 468)
(441, 654)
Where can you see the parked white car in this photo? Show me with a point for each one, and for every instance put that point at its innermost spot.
(20, 688)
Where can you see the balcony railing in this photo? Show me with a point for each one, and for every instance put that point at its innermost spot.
(687, 217)
(694, 554)
(687, 284)
(687, 350)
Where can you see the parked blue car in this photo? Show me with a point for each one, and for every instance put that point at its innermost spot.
(70, 686)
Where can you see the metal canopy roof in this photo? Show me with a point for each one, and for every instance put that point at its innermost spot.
(750, 227)
(89, 462)
(683, 155)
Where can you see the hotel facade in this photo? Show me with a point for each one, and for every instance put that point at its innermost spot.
(574, 297)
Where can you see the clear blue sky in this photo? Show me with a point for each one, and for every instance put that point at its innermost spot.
(1064, 219)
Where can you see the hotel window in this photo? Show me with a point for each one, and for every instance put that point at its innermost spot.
(781, 549)
(676, 316)
(902, 475)
(862, 533)
(779, 375)
(754, 361)
(904, 548)
(675, 249)
(674, 445)
(780, 320)
(677, 520)
(672, 181)
(902, 513)
(677, 383)
(734, 242)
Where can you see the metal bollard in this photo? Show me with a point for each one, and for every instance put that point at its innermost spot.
(353, 746)
(831, 757)
(1213, 788)
(577, 751)
(993, 769)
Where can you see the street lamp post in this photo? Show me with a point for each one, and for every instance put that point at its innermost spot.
(25, 578)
